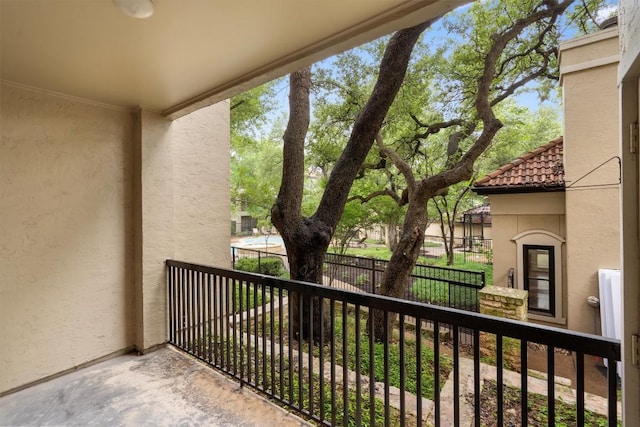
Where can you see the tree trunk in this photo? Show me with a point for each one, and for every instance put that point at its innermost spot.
(306, 257)
(391, 235)
(398, 272)
(307, 238)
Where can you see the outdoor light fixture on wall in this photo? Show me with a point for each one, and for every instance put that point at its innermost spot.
(135, 8)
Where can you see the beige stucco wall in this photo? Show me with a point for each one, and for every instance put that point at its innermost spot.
(65, 222)
(182, 205)
(591, 122)
(513, 214)
(93, 200)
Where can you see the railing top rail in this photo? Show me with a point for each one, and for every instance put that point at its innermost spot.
(561, 338)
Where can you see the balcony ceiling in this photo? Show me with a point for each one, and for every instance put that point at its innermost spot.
(190, 53)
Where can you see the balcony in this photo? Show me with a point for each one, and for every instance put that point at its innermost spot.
(434, 365)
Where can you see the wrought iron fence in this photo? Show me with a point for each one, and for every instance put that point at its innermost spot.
(247, 325)
(444, 286)
(467, 249)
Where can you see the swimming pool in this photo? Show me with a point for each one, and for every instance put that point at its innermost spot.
(259, 242)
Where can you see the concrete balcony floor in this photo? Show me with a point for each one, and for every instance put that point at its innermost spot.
(165, 387)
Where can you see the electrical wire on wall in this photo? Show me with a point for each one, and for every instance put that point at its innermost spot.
(591, 186)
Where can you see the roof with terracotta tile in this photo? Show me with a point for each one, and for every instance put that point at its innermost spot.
(537, 170)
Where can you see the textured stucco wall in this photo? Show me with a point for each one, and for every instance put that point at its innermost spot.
(201, 186)
(629, 17)
(93, 200)
(65, 222)
(590, 96)
(513, 214)
(182, 205)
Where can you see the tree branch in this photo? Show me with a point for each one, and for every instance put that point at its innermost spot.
(402, 166)
(288, 204)
(393, 68)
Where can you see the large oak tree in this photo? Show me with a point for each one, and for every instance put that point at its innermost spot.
(510, 44)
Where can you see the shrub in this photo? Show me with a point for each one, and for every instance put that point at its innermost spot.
(271, 266)
(362, 279)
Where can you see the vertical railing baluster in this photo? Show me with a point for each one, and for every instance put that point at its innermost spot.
(418, 371)
(358, 368)
(499, 380)
(209, 315)
(612, 394)
(228, 293)
(291, 338)
(456, 375)
(524, 384)
(300, 349)
(169, 271)
(476, 376)
(183, 314)
(254, 319)
(192, 317)
(332, 314)
(203, 317)
(345, 367)
(272, 355)
(234, 324)
(239, 288)
(579, 388)
(262, 317)
(372, 370)
(321, 360)
(216, 318)
(551, 390)
(436, 372)
(281, 341)
(247, 298)
(387, 402)
(310, 354)
(402, 370)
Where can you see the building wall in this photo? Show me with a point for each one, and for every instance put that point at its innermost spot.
(513, 214)
(65, 222)
(591, 120)
(93, 200)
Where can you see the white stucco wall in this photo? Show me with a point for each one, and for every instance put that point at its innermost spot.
(66, 234)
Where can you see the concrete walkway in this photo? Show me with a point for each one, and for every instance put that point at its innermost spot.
(163, 388)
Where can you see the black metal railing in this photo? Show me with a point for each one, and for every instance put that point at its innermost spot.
(467, 249)
(246, 325)
(443, 286)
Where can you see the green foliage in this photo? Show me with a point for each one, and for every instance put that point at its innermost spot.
(537, 409)
(410, 362)
(362, 279)
(441, 293)
(461, 264)
(271, 266)
(377, 252)
(246, 299)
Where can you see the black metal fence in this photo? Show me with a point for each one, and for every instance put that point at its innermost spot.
(467, 249)
(444, 286)
(245, 325)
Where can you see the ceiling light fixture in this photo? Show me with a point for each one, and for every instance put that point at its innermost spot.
(135, 8)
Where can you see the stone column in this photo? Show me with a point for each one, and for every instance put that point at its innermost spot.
(508, 303)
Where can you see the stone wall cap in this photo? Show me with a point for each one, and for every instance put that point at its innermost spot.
(502, 291)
